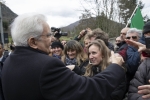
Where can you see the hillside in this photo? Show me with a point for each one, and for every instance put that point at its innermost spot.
(8, 15)
(70, 27)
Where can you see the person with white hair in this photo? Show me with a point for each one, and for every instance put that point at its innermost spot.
(29, 73)
(133, 56)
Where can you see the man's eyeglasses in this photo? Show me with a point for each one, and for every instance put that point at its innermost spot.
(47, 35)
(133, 37)
(123, 33)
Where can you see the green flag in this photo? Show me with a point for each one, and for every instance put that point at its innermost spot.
(137, 20)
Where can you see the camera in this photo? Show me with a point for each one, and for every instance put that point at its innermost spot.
(58, 33)
(147, 42)
(85, 32)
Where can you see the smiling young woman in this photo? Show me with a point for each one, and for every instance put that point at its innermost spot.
(74, 55)
(99, 59)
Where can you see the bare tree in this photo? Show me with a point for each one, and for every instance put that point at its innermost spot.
(103, 13)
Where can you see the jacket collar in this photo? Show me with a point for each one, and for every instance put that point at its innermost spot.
(22, 48)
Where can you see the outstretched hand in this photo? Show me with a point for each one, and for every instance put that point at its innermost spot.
(145, 91)
(141, 47)
(117, 58)
(71, 67)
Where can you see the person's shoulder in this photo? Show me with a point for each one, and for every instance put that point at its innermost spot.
(52, 61)
(109, 43)
(132, 48)
(145, 64)
(48, 58)
(147, 61)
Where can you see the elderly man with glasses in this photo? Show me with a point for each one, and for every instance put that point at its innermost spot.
(29, 73)
(133, 56)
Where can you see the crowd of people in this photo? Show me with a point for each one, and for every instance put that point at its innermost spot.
(41, 67)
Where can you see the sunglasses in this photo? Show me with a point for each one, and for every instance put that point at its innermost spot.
(133, 37)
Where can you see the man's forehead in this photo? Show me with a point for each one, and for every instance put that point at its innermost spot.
(118, 38)
(134, 33)
(124, 29)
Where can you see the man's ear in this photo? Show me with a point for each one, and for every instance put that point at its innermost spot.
(32, 42)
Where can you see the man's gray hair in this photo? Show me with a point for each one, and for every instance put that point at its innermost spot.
(26, 26)
(134, 30)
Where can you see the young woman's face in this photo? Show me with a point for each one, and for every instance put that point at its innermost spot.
(57, 51)
(95, 56)
(71, 54)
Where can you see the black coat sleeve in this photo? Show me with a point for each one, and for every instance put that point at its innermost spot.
(59, 83)
(80, 70)
(77, 70)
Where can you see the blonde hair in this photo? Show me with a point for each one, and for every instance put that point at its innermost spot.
(106, 53)
(75, 45)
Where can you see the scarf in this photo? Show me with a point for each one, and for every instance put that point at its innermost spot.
(96, 70)
(57, 56)
(69, 61)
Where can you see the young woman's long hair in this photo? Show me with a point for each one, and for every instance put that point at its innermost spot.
(106, 53)
(80, 54)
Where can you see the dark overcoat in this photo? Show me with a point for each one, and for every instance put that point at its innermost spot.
(30, 74)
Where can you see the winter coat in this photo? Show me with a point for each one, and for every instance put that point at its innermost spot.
(31, 74)
(141, 77)
(119, 92)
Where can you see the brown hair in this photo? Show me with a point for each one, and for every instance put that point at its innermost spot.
(75, 45)
(105, 53)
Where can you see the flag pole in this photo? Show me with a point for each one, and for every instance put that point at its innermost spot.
(132, 14)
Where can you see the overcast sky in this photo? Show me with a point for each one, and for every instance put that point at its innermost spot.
(59, 12)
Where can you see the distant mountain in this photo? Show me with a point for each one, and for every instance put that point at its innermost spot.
(70, 27)
(8, 15)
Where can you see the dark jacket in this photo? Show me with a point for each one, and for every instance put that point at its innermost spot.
(123, 50)
(30, 74)
(1, 67)
(1, 92)
(141, 77)
(142, 39)
(119, 92)
(133, 61)
(110, 46)
(80, 70)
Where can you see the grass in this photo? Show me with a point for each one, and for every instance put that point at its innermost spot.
(65, 38)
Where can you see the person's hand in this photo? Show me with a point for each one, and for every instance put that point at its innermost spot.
(71, 67)
(117, 58)
(82, 33)
(88, 30)
(141, 47)
(145, 91)
(63, 42)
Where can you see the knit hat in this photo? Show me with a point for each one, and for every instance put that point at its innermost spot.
(57, 44)
(146, 28)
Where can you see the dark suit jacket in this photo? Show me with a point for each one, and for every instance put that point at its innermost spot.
(30, 74)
